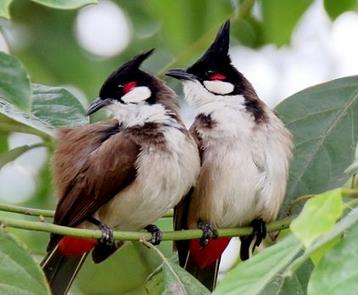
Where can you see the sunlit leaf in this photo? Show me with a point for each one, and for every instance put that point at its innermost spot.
(252, 276)
(15, 85)
(335, 8)
(337, 272)
(4, 8)
(323, 120)
(65, 4)
(19, 274)
(280, 17)
(319, 215)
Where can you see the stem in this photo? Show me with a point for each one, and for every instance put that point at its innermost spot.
(135, 236)
(43, 212)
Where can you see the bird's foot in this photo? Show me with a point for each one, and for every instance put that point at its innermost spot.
(156, 234)
(259, 231)
(209, 232)
(107, 233)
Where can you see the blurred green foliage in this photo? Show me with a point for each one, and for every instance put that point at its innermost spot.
(44, 40)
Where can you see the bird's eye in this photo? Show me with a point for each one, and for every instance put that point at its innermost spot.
(129, 86)
(120, 86)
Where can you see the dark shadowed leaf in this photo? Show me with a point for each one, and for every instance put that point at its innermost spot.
(323, 120)
(252, 276)
(19, 274)
(15, 85)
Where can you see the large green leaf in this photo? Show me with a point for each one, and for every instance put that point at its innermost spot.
(335, 8)
(337, 272)
(287, 285)
(52, 107)
(57, 107)
(323, 120)
(252, 276)
(15, 85)
(19, 274)
(347, 222)
(65, 4)
(4, 8)
(280, 18)
(319, 215)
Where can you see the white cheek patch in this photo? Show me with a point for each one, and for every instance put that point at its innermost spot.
(219, 87)
(138, 94)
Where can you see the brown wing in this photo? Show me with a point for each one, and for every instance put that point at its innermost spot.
(92, 164)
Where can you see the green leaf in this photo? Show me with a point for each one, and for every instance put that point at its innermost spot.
(323, 120)
(15, 85)
(65, 4)
(319, 215)
(337, 272)
(57, 107)
(15, 153)
(295, 284)
(348, 221)
(4, 8)
(4, 147)
(52, 107)
(252, 276)
(19, 274)
(280, 17)
(335, 8)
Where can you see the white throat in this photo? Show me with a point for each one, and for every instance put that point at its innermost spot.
(141, 113)
(204, 101)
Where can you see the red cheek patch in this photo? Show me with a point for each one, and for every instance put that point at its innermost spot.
(217, 76)
(129, 86)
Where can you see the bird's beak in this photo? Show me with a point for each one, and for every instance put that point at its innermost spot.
(97, 104)
(181, 74)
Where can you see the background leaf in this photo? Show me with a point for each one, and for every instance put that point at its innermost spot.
(336, 8)
(19, 93)
(280, 18)
(4, 8)
(322, 120)
(15, 153)
(19, 274)
(65, 4)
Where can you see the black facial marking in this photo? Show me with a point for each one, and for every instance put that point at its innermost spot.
(114, 86)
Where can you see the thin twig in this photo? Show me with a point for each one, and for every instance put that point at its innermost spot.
(135, 236)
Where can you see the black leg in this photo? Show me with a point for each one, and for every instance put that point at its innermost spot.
(107, 233)
(259, 230)
(156, 234)
(209, 232)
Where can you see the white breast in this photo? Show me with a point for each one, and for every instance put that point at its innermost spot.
(245, 165)
(163, 178)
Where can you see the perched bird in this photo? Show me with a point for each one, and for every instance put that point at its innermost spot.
(123, 173)
(245, 151)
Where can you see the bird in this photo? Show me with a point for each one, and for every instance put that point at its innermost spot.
(245, 151)
(122, 173)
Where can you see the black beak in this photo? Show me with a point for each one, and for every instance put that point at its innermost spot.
(181, 74)
(97, 104)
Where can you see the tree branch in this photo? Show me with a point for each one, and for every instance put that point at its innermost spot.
(135, 236)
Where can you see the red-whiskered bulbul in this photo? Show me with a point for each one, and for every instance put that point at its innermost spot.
(245, 151)
(123, 173)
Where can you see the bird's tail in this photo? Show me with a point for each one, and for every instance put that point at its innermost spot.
(61, 270)
(203, 261)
